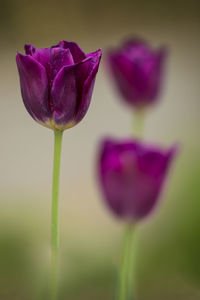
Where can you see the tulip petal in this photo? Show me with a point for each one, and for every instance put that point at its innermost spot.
(155, 74)
(76, 51)
(59, 58)
(53, 59)
(64, 96)
(43, 57)
(152, 166)
(121, 69)
(87, 89)
(72, 89)
(29, 49)
(34, 87)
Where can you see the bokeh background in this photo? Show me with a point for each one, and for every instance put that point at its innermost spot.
(168, 265)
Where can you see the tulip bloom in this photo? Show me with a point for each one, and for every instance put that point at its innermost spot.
(56, 86)
(132, 175)
(57, 83)
(137, 70)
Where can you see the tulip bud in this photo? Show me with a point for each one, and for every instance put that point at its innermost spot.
(137, 70)
(57, 83)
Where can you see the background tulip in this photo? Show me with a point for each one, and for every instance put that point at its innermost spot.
(57, 83)
(137, 70)
(132, 175)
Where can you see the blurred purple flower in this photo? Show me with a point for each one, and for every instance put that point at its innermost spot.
(137, 70)
(57, 83)
(132, 175)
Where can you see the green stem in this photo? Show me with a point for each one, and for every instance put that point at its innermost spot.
(126, 287)
(138, 123)
(132, 284)
(54, 216)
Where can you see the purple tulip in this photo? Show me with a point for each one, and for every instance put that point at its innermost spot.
(132, 175)
(137, 70)
(57, 83)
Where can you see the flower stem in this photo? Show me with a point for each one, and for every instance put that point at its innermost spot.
(138, 123)
(126, 283)
(54, 216)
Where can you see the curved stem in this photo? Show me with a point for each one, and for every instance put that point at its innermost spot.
(54, 216)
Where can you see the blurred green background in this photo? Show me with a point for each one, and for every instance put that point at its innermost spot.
(168, 265)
